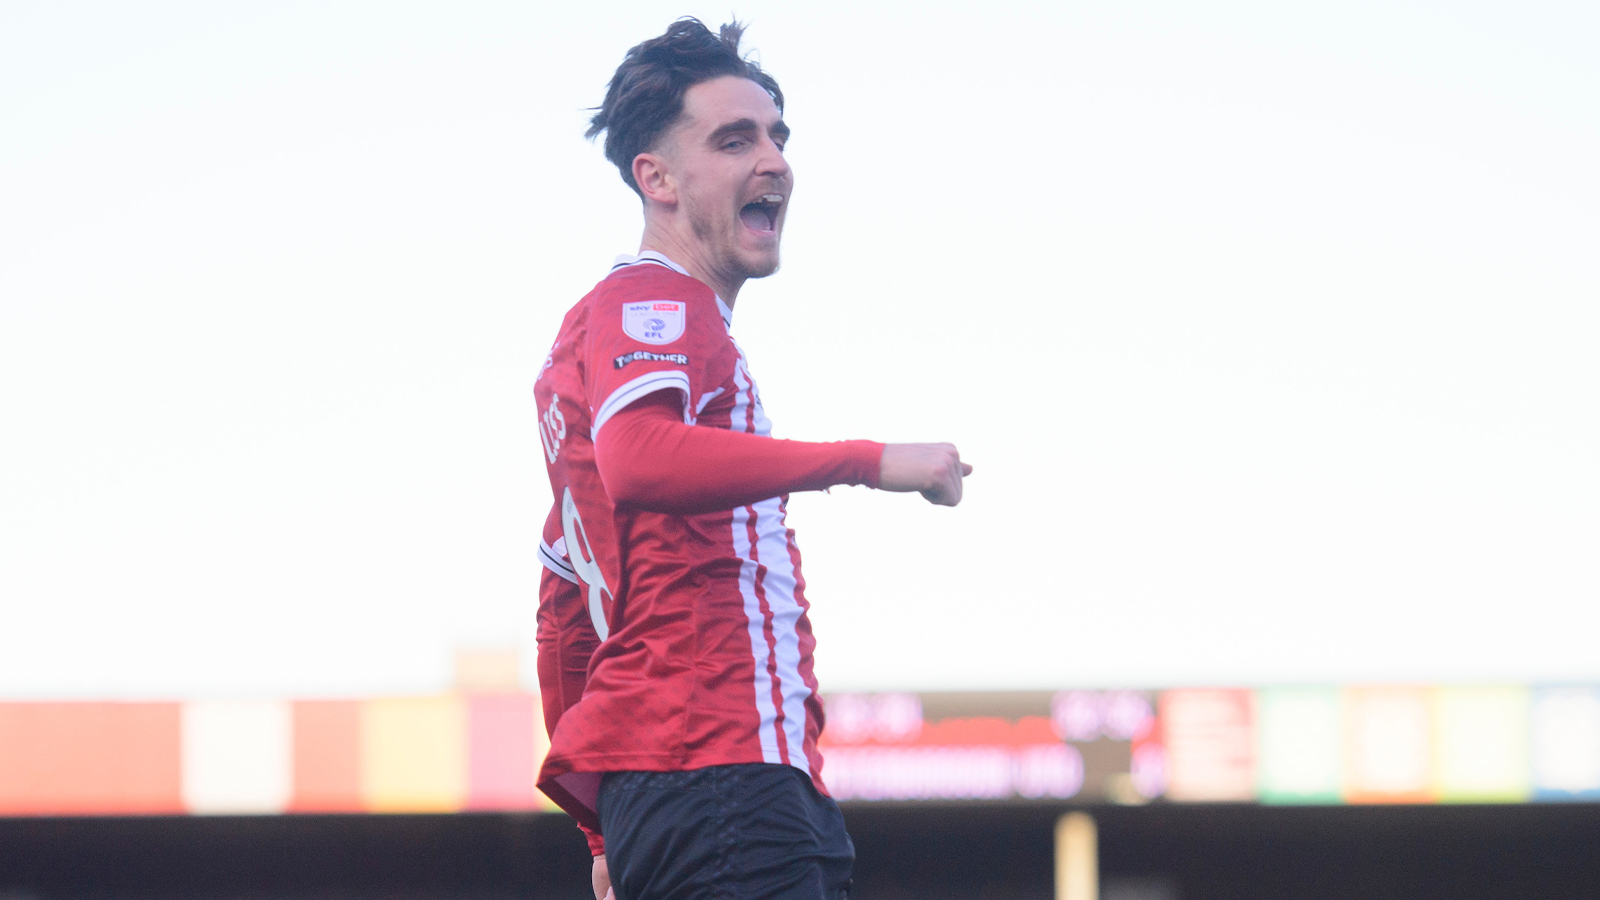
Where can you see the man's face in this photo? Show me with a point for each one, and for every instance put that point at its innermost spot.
(726, 153)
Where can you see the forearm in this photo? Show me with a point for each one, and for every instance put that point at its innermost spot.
(649, 458)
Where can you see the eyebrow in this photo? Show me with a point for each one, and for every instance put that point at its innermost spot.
(779, 130)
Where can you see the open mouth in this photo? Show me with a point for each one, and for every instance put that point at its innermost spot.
(762, 215)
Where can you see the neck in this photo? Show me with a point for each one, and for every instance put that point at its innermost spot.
(687, 253)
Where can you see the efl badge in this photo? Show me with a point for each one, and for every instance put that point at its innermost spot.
(654, 321)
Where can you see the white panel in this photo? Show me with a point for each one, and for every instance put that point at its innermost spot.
(1389, 743)
(237, 756)
(1566, 740)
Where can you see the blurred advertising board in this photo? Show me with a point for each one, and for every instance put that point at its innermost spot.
(479, 749)
(1014, 746)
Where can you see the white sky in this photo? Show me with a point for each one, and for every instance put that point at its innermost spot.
(1271, 330)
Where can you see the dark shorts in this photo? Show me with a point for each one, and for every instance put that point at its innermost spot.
(746, 832)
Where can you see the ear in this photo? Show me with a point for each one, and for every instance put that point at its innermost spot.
(654, 179)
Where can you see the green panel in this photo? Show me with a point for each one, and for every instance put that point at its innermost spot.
(1299, 733)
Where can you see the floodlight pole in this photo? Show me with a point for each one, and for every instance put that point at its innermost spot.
(1077, 858)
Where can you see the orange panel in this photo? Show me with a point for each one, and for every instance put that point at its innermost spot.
(89, 758)
(1388, 745)
(327, 756)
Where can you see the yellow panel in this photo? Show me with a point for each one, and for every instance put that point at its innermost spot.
(1481, 744)
(414, 754)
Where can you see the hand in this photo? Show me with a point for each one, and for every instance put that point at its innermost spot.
(932, 470)
(600, 879)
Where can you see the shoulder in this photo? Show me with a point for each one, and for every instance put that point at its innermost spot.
(646, 281)
(633, 284)
(655, 305)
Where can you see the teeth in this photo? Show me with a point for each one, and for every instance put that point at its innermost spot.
(771, 198)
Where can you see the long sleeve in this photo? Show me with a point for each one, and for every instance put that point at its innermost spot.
(650, 459)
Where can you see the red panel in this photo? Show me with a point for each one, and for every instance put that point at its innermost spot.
(976, 730)
(1034, 730)
(90, 759)
(500, 751)
(969, 731)
(327, 756)
(1210, 741)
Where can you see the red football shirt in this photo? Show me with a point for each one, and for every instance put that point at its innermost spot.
(567, 641)
(705, 647)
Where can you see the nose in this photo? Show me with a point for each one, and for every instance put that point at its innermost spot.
(771, 162)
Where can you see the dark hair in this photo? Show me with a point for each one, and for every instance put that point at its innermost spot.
(645, 96)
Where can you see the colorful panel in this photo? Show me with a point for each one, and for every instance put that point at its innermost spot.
(89, 759)
(1210, 744)
(1389, 752)
(1106, 728)
(414, 754)
(1299, 745)
(854, 718)
(500, 742)
(483, 750)
(541, 747)
(887, 750)
(1481, 744)
(327, 756)
(1564, 737)
(236, 756)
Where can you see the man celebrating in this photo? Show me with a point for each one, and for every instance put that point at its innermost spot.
(674, 647)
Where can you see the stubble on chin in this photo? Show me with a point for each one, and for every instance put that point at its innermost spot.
(725, 246)
(764, 268)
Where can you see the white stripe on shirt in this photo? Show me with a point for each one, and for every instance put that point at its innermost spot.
(755, 620)
(641, 387)
(778, 671)
(772, 541)
(555, 560)
(756, 624)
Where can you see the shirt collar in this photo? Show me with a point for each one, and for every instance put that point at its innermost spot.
(648, 256)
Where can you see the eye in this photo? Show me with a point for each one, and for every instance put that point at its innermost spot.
(733, 143)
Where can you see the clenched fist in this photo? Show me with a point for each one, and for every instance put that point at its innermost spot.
(932, 470)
